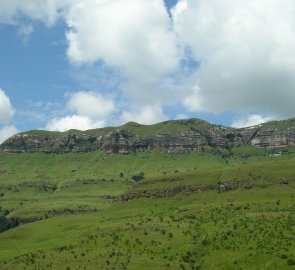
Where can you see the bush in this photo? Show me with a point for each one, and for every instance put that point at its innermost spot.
(291, 261)
(138, 177)
(6, 224)
(284, 256)
(206, 242)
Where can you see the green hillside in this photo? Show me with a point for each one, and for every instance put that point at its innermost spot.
(229, 209)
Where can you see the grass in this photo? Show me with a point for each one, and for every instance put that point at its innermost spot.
(249, 227)
(87, 178)
(237, 234)
(172, 127)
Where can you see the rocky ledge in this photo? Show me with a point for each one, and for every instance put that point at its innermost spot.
(177, 135)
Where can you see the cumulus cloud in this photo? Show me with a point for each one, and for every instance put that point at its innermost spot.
(245, 50)
(90, 110)
(73, 122)
(251, 120)
(6, 132)
(133, 35)
(146, 115)
(91, 104)
(6, 109)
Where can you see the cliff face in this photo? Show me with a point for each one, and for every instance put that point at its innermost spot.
(173, 135)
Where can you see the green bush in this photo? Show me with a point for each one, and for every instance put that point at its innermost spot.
(291, 261)
(138, 177)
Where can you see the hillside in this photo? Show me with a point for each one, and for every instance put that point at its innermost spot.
(156, 208)
(176, 135)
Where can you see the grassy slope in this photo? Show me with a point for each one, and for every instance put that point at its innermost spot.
(83, 180)
(238, 229)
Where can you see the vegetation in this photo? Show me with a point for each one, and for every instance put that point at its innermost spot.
(210, 209)
(172, 126)
(138, 177)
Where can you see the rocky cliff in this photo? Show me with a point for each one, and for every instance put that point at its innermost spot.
(174, 135)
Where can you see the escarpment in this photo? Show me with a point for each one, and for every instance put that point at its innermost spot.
(172, 135)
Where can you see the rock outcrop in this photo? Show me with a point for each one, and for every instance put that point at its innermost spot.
(179, 135)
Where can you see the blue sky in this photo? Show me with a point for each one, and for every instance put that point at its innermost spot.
(94, 63)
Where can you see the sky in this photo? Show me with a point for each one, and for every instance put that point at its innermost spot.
(73, 64)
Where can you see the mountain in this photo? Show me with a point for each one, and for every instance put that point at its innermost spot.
(194, 200)
(175, 135)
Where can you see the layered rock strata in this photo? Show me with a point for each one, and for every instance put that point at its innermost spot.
(124, 141)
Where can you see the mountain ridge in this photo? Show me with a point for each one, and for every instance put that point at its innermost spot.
(186, 134)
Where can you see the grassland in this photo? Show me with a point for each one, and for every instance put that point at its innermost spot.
(83, 223)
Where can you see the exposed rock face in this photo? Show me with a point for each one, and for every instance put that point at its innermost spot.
(172, 191)
(116, 142)
(270, 138)
(188, 139)
(35, 143)
(192, 134)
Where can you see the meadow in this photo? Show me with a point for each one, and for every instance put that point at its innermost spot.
(232, 209)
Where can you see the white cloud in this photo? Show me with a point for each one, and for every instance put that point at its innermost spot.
(133, 35)
(6, 114)
(179, 8)
(22, 14)
(246, 54)
(73, 122)
(134, 38)
(193, 102)
(145, 115)
(6, 132)
(6, 109)
(251, 120)
(90, 110)
(91, 104)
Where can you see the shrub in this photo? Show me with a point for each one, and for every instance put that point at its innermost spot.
(291, 261)
(284, 256)
(6, 224)
(138, 177)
